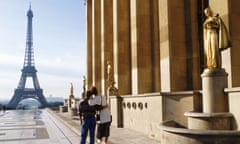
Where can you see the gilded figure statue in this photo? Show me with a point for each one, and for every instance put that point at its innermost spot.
(71, 89)
(109, 72)
(84, 84)
(215, 39)
(110, 79)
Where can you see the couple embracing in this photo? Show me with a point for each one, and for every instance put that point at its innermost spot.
(92, 104)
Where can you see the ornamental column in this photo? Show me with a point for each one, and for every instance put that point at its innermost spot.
(141, 46)
(156, 45)
(96, 43)
(121, 46)
(232, 56)
(89, 41)
(173, 48)
(106, 39)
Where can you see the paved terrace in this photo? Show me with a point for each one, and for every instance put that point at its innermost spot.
(34, 127)
(50, 127)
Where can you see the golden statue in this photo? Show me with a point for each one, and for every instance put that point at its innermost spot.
(71, 96)
(215, 38)
(71, 90)
(111, 82)
(84, 87)
(109, 73)
(84, 84)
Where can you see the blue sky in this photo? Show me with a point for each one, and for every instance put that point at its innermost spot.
(58, 42)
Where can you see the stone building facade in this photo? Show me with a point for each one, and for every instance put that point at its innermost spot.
(156, 50)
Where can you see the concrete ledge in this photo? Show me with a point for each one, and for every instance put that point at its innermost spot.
(180, 93)
(174, 135)
(174, 127)
(232, 90)
(207, 115)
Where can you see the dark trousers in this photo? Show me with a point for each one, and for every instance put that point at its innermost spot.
(89, 123)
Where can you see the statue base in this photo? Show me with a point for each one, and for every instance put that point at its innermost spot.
(213, 83)
(209, 121)
(115, 102)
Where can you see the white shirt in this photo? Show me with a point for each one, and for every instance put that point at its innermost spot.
(104, 113)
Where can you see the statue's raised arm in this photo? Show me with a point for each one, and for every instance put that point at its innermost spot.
(215, 36)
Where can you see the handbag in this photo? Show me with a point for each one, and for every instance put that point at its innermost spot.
(98, 107)
(97, 117)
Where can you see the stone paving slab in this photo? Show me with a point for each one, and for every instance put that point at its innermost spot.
(17, 123)
(17, 134)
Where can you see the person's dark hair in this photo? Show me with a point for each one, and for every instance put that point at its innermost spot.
(89, 93)
(94, 90)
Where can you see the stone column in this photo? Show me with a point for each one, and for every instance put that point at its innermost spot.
(164, 46)
(96, 43)
(193, 49)
(233, 53)
(106, 39)
(173, 49)
(89, 41)
(156, 45)
(121, 46)
(141, 46)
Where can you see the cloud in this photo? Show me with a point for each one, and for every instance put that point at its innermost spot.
(10, 59)
(60, 85)
(67, 64)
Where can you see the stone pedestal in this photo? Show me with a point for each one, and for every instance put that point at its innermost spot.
(116, 111)
(112, 91)
(213, 84)
(209, 121)
(215, 114)
(115, 103)
(73, 112)
(63, 108)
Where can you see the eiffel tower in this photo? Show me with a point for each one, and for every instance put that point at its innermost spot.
(29, 70)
